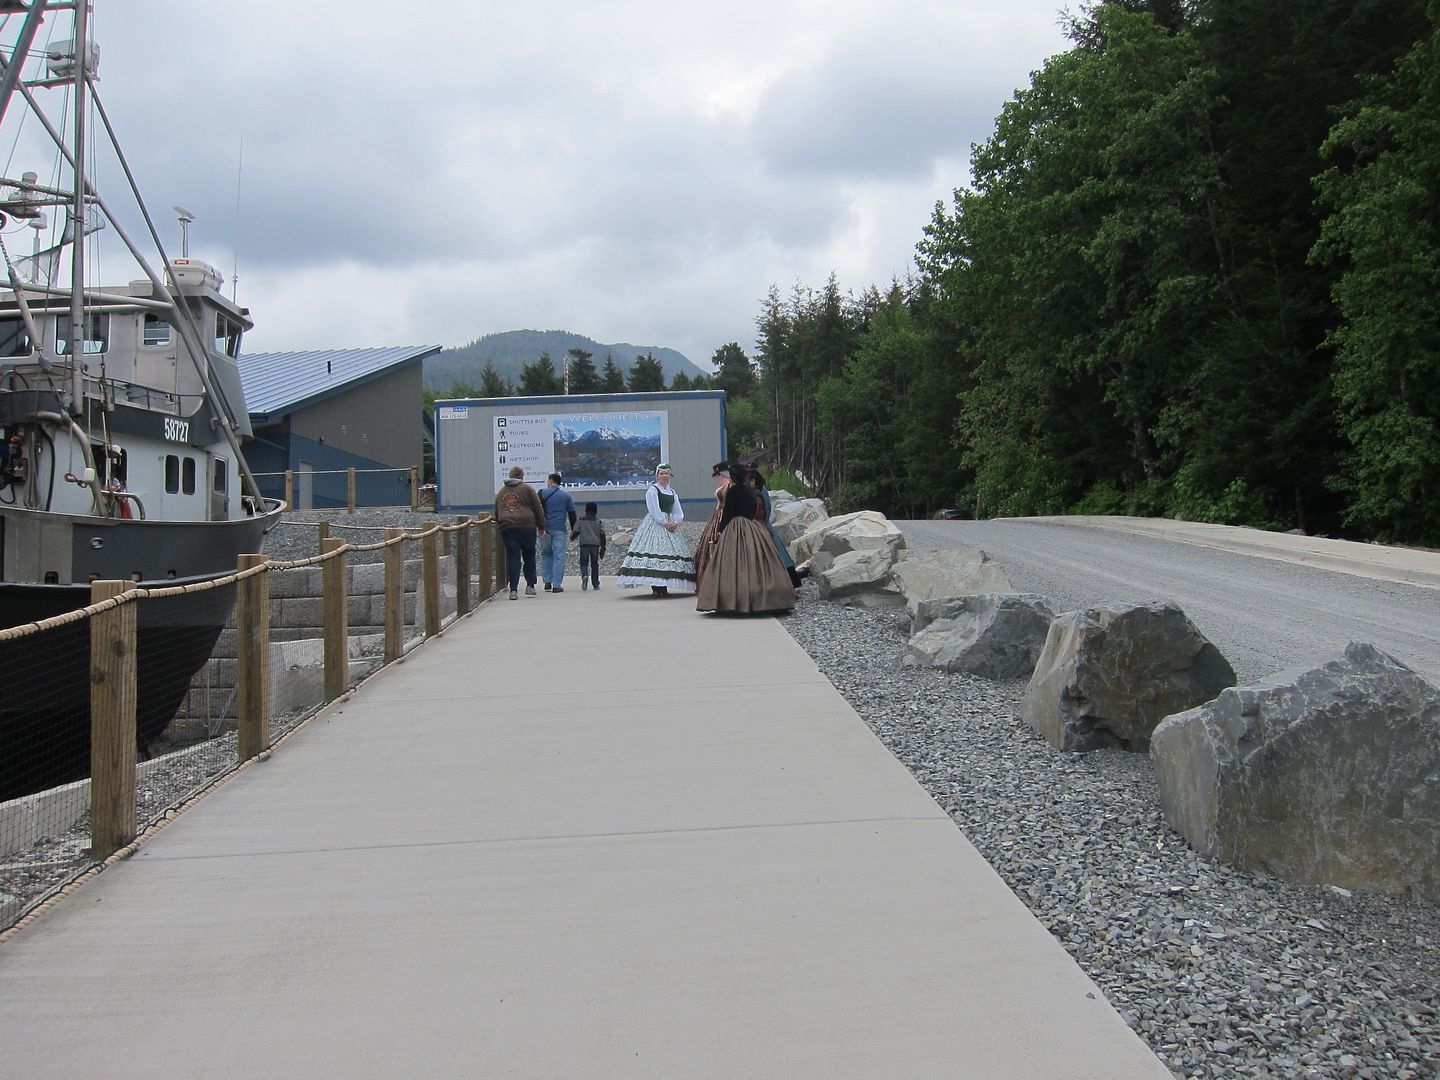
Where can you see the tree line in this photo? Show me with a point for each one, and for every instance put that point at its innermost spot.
(541, 378)
(1195, 272)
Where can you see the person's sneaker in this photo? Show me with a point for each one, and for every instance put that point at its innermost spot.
(596, 586)
(529, 590)
(547, 586)
(514, 595)
(558, 588)
(584, 584)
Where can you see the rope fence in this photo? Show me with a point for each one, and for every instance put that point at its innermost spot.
(120, 711)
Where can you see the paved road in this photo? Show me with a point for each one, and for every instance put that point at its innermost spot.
(1267, 613)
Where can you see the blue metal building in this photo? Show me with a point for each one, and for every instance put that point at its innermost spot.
(322, 412)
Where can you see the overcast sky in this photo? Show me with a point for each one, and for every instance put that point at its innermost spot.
(631, 170)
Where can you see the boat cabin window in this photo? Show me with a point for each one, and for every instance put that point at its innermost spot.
(227, 335)
(220, 482)
(97, 335)
(157, 331)
(112, 466)
(14, 338)
(179, 475)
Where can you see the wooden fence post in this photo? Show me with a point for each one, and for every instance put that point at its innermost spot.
(350, 489)
(414, 489)
(430, 571)
(337, 613)
(394, 595)
(252, 660)
(289, 489)
(462, 567)
(485, 527)
(324, 534)
(112, 722)
(502, 572)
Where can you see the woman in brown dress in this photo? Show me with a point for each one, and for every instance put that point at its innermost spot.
(745, 575)
(706, 547)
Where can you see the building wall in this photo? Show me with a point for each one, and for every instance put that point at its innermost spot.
(465, 453)
(381, 420)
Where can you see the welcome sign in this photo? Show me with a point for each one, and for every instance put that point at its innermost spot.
(614, 450)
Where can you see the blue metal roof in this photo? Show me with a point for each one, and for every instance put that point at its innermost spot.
(278, 383)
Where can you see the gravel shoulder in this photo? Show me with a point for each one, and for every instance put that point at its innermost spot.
(1224, 974)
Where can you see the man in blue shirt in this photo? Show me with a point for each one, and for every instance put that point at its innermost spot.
(559, 520)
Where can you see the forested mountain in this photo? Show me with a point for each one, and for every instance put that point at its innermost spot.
(1195, 272)
(509, 352)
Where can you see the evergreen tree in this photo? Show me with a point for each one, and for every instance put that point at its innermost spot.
(681, 381)
(584, 379)
(540, 378)
(612, 379)
(491, 384)
(646, 375)
(733, 372)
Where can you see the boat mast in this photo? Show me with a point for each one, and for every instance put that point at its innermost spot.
(33, 18)
(77, 248)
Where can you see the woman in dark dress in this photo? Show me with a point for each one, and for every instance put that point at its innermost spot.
(745, 575)
(757, 481)
(711, 536)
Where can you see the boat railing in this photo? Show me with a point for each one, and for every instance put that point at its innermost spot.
(302, 634)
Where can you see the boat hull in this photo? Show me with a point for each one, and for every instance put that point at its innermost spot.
(45, 708)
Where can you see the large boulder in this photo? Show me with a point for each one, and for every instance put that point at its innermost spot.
(994, 636)
(794, 518)
(864, 529)
(937, 575)
(857, 578)
(1107, 676)
(1329, 775)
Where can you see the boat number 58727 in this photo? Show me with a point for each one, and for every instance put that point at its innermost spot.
(177, 430)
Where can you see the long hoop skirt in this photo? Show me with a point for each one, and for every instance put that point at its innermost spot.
(706, 547)
(657, 557)
(745, 575)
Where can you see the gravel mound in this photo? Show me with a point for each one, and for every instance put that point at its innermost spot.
(1223, 973)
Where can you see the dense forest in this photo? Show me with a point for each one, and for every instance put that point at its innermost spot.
(1195, 272)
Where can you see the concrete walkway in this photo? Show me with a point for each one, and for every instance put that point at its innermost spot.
(589, 835)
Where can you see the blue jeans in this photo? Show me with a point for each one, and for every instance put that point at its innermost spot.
(519, 550)
(590, 559)
(552, 554)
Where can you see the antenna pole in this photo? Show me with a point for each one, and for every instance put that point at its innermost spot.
(235, 265)
(77, 244)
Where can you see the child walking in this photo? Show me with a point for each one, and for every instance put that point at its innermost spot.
(590, 531)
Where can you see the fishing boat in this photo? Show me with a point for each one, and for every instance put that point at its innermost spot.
(121, 420)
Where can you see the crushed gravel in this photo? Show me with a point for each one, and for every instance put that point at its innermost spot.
(1223, 973)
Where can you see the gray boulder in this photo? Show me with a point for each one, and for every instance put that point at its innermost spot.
(937, 575)
(864, 529)
(1107, 676)
(792, 519)
(1323, 776)
(994, 636)
(858, 578)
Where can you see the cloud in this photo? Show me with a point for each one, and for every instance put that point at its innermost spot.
(633, 171)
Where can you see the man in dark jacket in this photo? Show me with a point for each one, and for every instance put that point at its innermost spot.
(520, 519)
